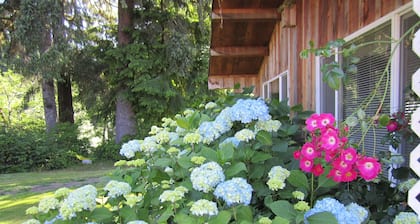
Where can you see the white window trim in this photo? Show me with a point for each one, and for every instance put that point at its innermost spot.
(279, 77)
(318, 86)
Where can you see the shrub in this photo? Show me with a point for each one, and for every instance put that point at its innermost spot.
(27, 147)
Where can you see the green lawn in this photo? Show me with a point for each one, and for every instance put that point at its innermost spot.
(16, 194)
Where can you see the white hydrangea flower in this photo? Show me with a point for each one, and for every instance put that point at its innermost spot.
(62, 192)
(83, 198)
(406, 218)
(210, 105)
(47, 204)
(192, 138)
(32, 221)
(132, 199)
(168, 122)
(245, 135)
(32, 210)
(162, 136)
(137, 222)
(270, 125)
(188, 112)
(298, 195)
(173, 195)
(130, 148)
(277, 177)
(204, 207)
(117, 188)
(154, 130)
(149, 145)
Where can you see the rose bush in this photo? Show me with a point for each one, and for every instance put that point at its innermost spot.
(238, 160)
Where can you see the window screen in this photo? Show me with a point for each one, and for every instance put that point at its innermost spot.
(359, 86)
(327, 95)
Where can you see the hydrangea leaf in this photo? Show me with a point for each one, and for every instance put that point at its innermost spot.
(166, 215)
(260, 157)
(281, 146)
(163, 162)
(102, 215)
(184, 218)
(222, 218)
(226, 153)
(264, 138)
(322, 218)
(209, 153)
(128, 213)
(280, 220)
(298, 179)
(283, 209)
(244, 214)
(185, 162)
(234, 169)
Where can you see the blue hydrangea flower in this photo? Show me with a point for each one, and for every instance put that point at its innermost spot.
(205, 177)
(336, 208)
(406, 218)
(247, 110)
(234, 191)
(357, 211)
(235, 142)
(208, 132)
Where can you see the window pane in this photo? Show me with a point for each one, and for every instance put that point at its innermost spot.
(284, 87)
(274, 89)
(326, 93)
(357, 91)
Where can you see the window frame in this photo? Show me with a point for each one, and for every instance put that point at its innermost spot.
(266, 88)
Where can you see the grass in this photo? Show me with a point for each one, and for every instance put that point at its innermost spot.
(17, 196)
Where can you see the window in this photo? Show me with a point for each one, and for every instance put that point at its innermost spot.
(277, 88)
(373, 60)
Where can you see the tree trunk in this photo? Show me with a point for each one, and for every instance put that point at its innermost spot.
(50, 109)
(65, 100)
(125, 119)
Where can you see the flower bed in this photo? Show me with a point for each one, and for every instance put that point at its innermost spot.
(240, 160)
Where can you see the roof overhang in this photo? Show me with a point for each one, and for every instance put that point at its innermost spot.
(240, 35)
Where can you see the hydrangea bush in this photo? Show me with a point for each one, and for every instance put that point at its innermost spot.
(238, 160)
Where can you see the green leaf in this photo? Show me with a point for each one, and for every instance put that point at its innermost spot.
(304, 54)
(292, 129)
(280, 220)
(282, 146)
(283, 209)
(323, 181)
(332, 80)
(222, 218)
(163, 162)
(322, 218)
(384, 120)
(183, 123)
(234, 169)
(264, 138)
(361, 114)
(351, 121)
(102, 215)
(244, 214)
(128, 214)
(184, 218)
(363, 126)
(257, 172)
(226, 153)
(209, 153)
(185, 162)
(260, 157)
(163, 219)
(298, 179)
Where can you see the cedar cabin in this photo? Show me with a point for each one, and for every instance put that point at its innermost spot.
(257, 43)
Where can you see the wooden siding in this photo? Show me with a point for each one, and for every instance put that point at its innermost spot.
(319, 21)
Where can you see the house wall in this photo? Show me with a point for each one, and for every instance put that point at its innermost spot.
(319, 21)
